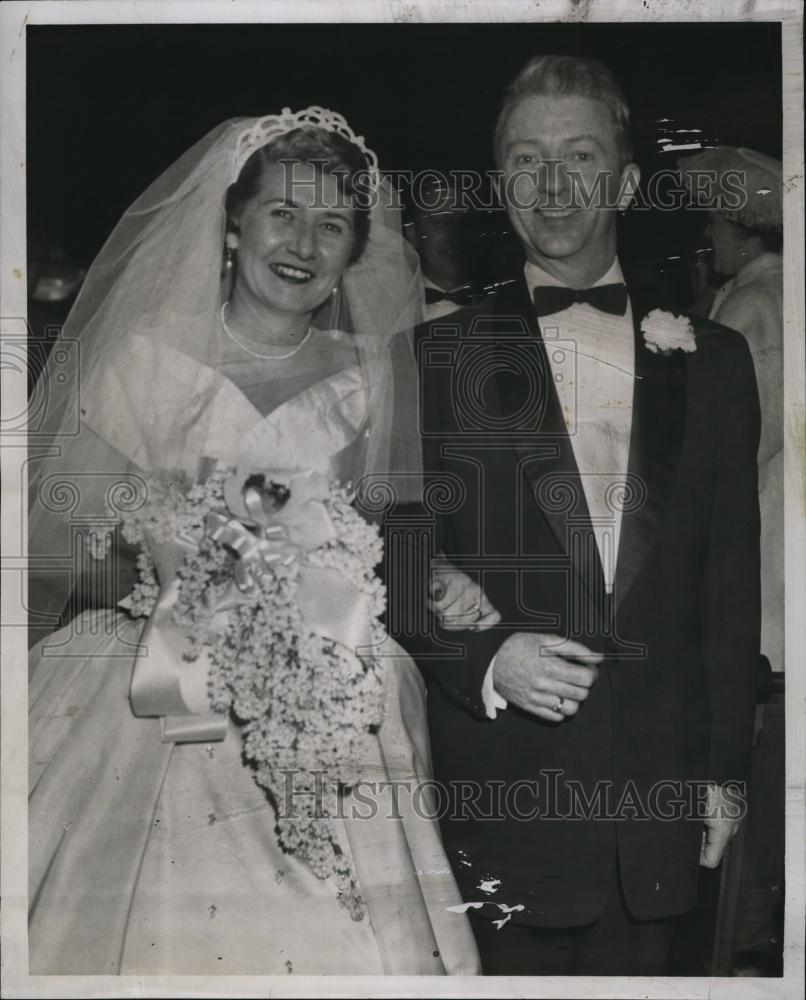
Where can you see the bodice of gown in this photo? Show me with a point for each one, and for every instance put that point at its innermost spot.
(171, 413)
(324, 427)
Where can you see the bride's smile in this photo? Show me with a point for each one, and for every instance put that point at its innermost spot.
(296, 275)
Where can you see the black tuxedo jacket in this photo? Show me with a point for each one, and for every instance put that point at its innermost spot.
(538, 811)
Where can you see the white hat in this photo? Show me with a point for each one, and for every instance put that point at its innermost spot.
(760, 178)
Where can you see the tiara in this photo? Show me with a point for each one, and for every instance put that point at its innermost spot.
(266, 130)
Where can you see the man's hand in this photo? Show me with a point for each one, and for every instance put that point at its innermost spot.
(721, 825)
(545, 675)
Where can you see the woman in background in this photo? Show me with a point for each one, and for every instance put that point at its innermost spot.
(748, 244)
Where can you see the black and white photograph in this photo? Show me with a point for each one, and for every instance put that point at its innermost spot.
(404, 475)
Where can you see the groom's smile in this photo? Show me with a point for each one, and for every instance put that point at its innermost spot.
(551, 214)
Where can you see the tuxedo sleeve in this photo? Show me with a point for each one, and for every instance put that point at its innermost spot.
(457, 661)
(462, 677)
(732, 580)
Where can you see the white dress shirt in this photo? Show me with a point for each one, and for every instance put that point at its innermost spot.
(592, 359)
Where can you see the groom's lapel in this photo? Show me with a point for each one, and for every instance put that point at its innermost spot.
(656, 438)
(539, 436)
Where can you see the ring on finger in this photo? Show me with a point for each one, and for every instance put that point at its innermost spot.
(559, 706)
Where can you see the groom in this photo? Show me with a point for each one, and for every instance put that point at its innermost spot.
(592, 748)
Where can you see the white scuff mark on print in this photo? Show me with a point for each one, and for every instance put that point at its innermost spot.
(490, 885)
(598, 360)
(510, 909)
(464, 907)
(504, 920)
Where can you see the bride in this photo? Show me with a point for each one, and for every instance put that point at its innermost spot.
(239, 316)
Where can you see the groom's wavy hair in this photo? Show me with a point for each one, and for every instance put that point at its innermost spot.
(572, 76)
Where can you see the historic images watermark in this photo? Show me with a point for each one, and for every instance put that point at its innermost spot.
(550, 796)
(547, 184)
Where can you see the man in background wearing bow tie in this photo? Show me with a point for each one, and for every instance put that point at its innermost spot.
(440, 231)
(593, 745)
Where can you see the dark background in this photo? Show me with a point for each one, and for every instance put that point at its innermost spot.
(109, 107)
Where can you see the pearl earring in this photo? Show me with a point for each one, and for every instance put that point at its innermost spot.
(230, 249)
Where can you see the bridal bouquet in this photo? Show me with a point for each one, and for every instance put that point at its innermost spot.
(276, 588)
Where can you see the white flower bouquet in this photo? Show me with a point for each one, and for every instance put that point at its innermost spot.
(277, 586)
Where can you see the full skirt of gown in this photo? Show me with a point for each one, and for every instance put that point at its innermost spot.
(155, 858)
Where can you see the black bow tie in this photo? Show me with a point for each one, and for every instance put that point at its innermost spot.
(463, 296)
(606, 298)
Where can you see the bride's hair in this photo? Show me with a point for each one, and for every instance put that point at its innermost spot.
(327, 151)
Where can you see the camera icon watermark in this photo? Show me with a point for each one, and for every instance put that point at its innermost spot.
(497, 375)
(58, 386)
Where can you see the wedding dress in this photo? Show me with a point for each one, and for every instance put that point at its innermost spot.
(151, 857)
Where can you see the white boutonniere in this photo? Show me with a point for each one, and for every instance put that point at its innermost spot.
(664, 332)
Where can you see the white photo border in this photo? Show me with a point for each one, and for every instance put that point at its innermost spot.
(15, 17)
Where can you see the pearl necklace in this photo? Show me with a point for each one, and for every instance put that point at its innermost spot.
(256, 354)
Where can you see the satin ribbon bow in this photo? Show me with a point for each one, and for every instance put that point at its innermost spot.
(275, 520)
(551, 299)
(264, 525)
(283, 520)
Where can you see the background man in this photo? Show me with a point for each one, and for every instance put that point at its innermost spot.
(442, 230)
